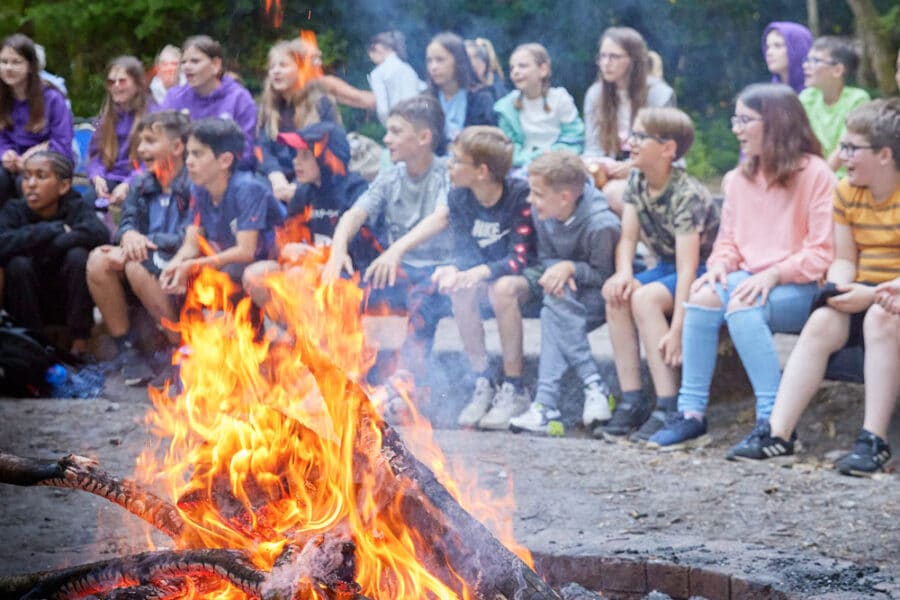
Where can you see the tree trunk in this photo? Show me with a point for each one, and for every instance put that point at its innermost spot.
(812, 16)
(876, 43)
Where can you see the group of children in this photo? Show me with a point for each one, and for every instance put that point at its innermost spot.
(539, 216)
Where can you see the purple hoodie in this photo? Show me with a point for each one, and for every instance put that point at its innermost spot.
(122, 168)
(57, 130)
(230, 101)
(798, 40)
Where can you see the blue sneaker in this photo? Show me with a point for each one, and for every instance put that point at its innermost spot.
(680, 433)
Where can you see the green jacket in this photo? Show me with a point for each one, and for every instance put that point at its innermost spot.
(571, 134)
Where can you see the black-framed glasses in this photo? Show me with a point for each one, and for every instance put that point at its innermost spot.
(816, 61)
(850, 150)
(741, 121)
(639, 137)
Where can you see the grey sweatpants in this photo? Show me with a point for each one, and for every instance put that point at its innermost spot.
(565, 323)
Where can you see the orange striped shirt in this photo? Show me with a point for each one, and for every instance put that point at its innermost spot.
(875, 228)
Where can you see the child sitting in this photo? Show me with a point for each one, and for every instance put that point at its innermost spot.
(494, 245)
(866, 235)
(325, 190)
(785, 44)
(576, 240)
(154, 218)
(774, 243)
(233, 210)
(410, 199)
(676, 214)
(537, 117)
(44, 243)
(826, 98)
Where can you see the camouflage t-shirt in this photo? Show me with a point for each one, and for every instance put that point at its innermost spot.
(685, 206)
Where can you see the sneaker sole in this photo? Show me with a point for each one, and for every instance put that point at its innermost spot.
(697, 442)
(613, 437)
(137, 381)
(869, 474)
(785, 460)
(554, 429)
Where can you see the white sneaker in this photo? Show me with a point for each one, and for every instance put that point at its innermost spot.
(507, 404)
(539, 419)
(479, 405)
(598, 405)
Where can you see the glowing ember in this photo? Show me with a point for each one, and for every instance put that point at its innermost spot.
(261, 454)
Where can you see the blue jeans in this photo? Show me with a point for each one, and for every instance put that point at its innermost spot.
(785, 311)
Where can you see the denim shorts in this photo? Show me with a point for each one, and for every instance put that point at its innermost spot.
(666, 274)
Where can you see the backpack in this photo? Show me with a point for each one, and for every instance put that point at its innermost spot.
(25, 357)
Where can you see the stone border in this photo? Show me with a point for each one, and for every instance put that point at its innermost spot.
(629, 570)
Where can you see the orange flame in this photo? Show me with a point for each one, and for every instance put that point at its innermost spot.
(164, 170)
(277, 15)
(260, 453)
(334, 164)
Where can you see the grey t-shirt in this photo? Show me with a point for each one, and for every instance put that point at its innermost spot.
(405, 201)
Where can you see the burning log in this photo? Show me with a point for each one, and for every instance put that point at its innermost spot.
(82, 473)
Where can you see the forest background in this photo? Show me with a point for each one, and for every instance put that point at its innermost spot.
(710, 48)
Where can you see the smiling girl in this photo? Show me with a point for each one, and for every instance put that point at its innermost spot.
(293, 98)
(33, 114)
(210, 93)
(774, 243)
(537, 117)
(113, 148)
(45, 239)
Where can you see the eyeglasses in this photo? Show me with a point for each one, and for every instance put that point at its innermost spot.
(850, 150)
(816, 61)
(611, 56)
(639, 137)
(741, 121)
(121, 82)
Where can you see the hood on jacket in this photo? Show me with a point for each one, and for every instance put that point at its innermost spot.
(798, 40)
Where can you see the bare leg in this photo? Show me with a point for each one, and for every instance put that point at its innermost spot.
(105, 272)
(650, 305)
(826, 331)
(252, 280)
(882, 334)
(506, 294)
(471, 329)
(158, 303)
(623, 336)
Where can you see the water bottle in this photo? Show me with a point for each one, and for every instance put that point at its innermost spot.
(56, 378)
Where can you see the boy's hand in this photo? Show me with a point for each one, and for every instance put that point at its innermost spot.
(618, 169)
(295, 251)
(383, 270)
(10, 160)
(100, 187)
(887, 295)
(136, 245)
(472, 277)
(284, 191)
(174, 277)
(445, 278)
(337, 262)
(715, 274)
(619, 287)
(856, 298)
(556, 278)
(119, 193)
(670, 346)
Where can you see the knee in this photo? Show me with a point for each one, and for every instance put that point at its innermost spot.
(76, 258)
(879, 324)
(644, 304)
(706, 297)
(503, 292)
(97, 263)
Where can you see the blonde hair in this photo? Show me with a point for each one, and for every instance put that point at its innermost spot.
(485, 51)
(541, 57)
(559, 169)
(668, 123)
(304, 98)
(489, 146)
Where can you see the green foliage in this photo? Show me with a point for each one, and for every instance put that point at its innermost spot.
(715, 149)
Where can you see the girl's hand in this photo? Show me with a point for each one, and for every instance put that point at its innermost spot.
(757, 286)
(117, 197)
(100, 187)
(670, 346)
(714, 274)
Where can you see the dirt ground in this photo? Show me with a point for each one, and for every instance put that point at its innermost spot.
(574, 496)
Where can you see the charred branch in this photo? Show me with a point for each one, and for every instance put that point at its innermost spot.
(82, 473)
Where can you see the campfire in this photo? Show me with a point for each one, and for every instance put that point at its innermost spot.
(279, 479)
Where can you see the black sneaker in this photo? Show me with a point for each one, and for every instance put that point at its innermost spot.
(652, 425)
(870, 455)
(760, 445)
(135, 369)
(625, 419)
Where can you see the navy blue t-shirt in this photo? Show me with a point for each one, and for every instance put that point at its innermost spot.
(247, 205)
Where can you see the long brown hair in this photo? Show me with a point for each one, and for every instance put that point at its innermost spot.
(34, 87)
(108, 145)
(787, 135)
(607, 109)
(304, 98)
(207, 46)
(541, 57)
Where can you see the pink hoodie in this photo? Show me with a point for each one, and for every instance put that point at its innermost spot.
(789, 227)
